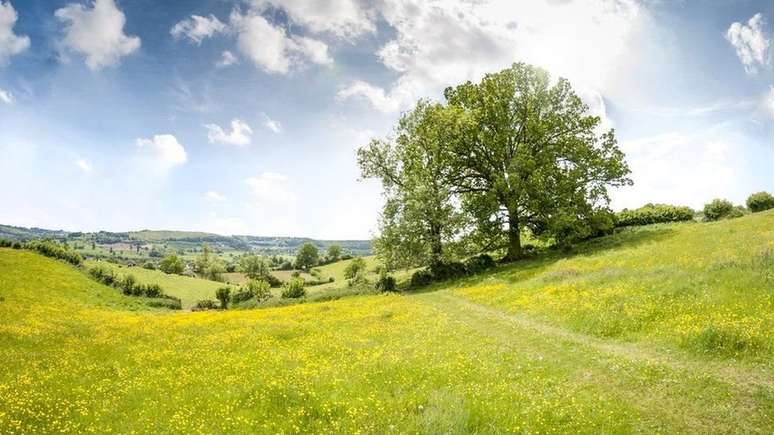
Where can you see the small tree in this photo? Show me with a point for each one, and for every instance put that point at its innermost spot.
(334, 252)
(760, 201)
(307, 256)
(172, 264)
(223, 294)
(355, 271)
(717, 209)
(253, 266)
(294, 289)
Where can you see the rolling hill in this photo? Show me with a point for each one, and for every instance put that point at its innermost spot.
(664, 328)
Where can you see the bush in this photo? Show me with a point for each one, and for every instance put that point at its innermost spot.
(717, 209)
(5, 243)
(166, 302)
(294, 289)
(128, 284)
(386, 283)
(152, 290)
(223, 294)
(421, 278)
(257, 289)
(479, 263)
(737, 212)
(273, 281)
(444, 271)
(355, 271)
(149, 265)
(52, 249)
(103, 274)
(206, 304)
(172, 264)
(653, 214)
(760, 201)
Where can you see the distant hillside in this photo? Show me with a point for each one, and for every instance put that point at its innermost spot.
(186, 240)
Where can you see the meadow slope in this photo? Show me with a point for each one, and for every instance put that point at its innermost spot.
(661, 329)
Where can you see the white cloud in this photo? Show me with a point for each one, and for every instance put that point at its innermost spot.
(227, 58)
(767, 102)
(214, 196)
(165, 150)
(96, 33)
(751, 43)
(270, 48)
(660, 172)
(438, 44)
(271, 124)
(239, 135)
(271, 187)
(197, 28)
(83, 165)
(375, 95)
(345, 19)
(11, 44)
(6, 97)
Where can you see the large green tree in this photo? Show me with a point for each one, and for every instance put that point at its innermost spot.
(307, 256)
(419, 220)
(254, 267)
(530, 156)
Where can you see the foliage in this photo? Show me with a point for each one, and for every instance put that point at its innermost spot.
(386, 283)
(258, 289)
(223, 294)
(334, 252)
(50, 248)
(419, 221)
(532, 158)
(149, 265)
(172, 264)
(294, 289)
(448, 270)
(206, 304)
(421, 278)
(653, 214)
(479, 263)
(307, 256)
(355, 271)
(717, 209)
(760, 201)
(254, 267)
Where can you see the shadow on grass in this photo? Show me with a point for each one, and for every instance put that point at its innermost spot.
(529, 267)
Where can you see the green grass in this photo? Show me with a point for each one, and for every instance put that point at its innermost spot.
(188, 289)
(664, 329)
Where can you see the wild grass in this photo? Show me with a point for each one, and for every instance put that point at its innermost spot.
(660, 330)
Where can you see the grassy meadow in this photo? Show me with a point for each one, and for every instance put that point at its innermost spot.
(662, 329)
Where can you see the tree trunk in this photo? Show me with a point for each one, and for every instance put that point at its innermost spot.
(514, 238)
(436, 247)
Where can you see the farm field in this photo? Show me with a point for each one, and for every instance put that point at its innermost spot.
(666, 328)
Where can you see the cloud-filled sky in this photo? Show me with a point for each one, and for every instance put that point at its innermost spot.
(242, 117)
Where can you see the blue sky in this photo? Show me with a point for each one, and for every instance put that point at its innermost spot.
(242, 117)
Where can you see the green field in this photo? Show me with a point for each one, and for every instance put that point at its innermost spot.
(659, 329)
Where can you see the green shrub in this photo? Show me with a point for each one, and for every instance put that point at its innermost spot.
(421, 278)
(737, 212)
(294, 289)
(386, 283)
(52, 249)
(103, 274)
(223, 294)
(653, 214)
(479, 263)
(128, 284)
(355, 271)
(273, 281)
(760, 201)
(5, 243)
(152, 290)
(257, 289)
(717, 209)
(449, 270)
(166, 302)
(149, 265)
(206, 304)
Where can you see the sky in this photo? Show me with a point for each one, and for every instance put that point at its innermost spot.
(243, 116)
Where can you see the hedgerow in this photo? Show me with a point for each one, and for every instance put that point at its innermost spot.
(654, 214)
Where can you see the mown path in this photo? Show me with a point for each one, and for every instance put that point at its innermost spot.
(669, 389)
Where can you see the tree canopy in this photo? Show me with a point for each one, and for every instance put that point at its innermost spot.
(307, 256)
(514, 153)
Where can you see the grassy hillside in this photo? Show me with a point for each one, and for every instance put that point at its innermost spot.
(605, 340)
(188, 289)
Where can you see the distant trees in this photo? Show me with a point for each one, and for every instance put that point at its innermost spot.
(294, 289)
(254, 267)
(307, 256)
(334, 252)
(717, 209)
(209, 266)
(760, 201)
(172, 264)
(514, 153)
